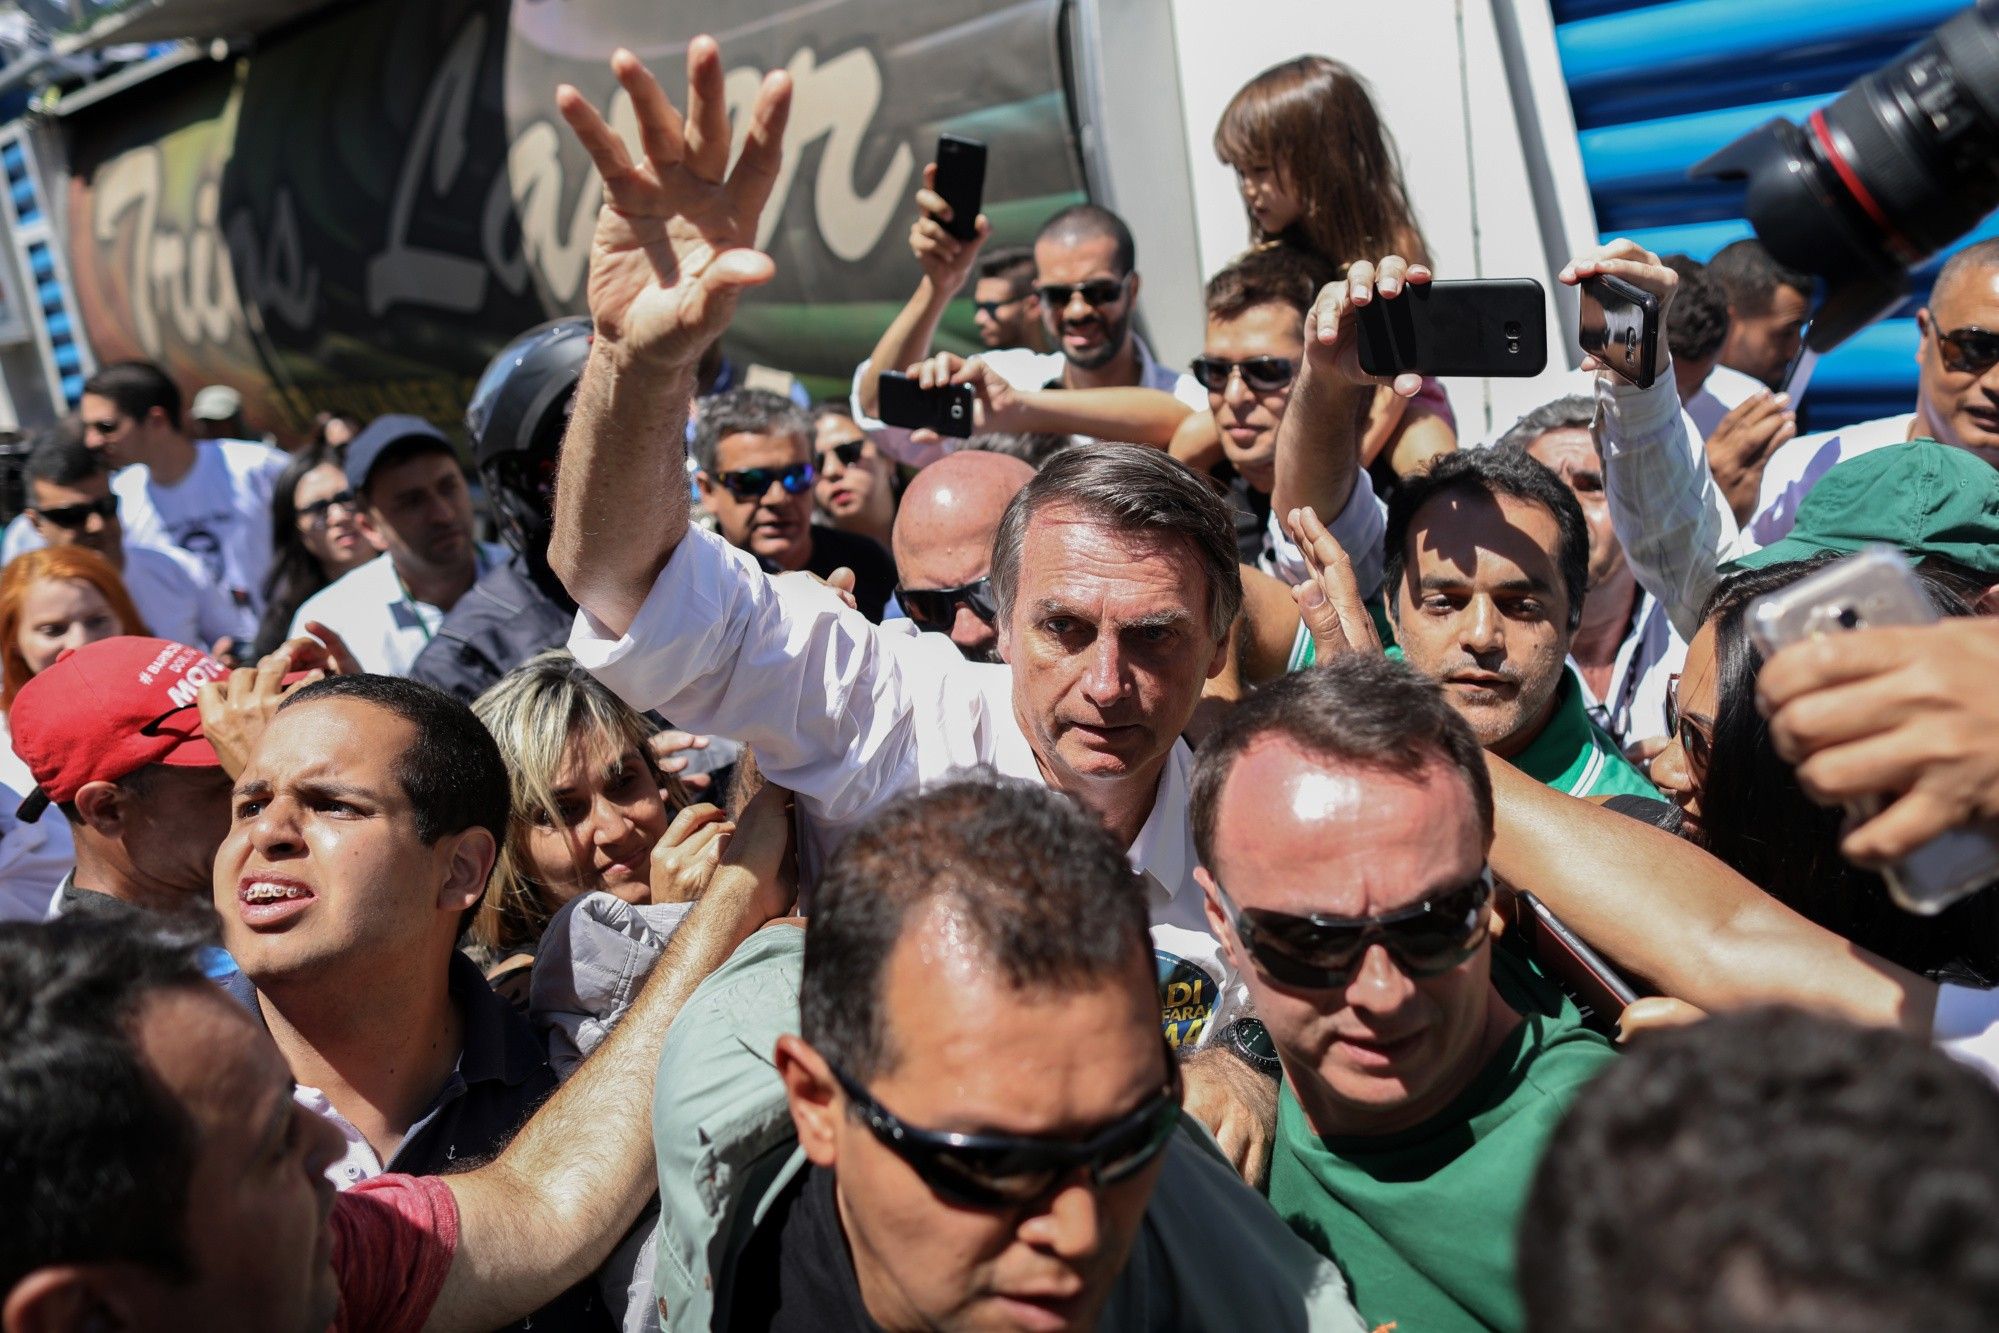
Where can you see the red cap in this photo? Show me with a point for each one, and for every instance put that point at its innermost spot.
(108, 709)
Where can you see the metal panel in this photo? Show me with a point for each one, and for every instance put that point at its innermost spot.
(1656, 87)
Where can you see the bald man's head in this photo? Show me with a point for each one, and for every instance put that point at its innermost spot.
(1958, 387)
(943, 538)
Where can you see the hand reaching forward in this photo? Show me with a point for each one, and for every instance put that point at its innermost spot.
(1329, 599)
(673, 247)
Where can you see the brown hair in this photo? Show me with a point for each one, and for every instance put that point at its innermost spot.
(1312, 120)
(23, 572)
(1268, 275)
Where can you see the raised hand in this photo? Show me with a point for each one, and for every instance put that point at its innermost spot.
(673, 247)
(1742, 443)
(1332, 340)
(944, 259)
(1329, 599)
(1638, 266)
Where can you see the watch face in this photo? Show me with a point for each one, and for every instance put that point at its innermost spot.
(1248, 1038)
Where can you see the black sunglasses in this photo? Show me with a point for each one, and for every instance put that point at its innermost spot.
(991, 309)
(995, 1171)
(753, 483)
(849, 453)
(1323, 952)
(936, 608)
(1969, 350)
(316, 512)
(1263, 374)
(1096, 292)
(1695, 740)
(73, 517)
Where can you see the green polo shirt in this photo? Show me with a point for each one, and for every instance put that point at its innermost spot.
(1574, 755)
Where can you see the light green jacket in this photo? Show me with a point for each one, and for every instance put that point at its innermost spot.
(1210, 1254)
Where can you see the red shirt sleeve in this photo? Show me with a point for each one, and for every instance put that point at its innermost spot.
(393, 1239)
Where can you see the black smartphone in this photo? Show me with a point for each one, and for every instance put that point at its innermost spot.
(1573, 966)
(1475, 326)
(905, 403)
(961, 179)
(1620, 328)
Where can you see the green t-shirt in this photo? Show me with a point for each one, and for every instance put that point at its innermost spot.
(1574, 755)
(1423, 1222)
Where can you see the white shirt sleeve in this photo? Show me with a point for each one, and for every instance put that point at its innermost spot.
(1359, 530)
(781, 665)
(1672, 519)
(1966, 1027)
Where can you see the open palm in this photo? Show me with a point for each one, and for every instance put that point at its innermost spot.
(672, 251)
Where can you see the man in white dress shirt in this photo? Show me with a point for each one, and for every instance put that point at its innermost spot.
(1114, 572)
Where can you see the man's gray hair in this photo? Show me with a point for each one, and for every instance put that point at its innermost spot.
(1129, 489)
(746, 412)
(1571, 413)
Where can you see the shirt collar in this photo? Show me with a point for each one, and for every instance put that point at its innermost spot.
(1565, 742)
(1163, 851)
(499, 1044)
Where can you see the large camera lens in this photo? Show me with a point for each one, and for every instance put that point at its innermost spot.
(1903, 162)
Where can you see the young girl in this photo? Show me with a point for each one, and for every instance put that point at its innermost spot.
(1319, 171)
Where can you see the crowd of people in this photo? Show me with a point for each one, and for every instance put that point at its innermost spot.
(1181, 858)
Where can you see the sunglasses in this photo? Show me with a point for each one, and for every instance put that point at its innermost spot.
(316, 513)
(1324, 952)
(1969, 351)
(998, 1171)
(1695, 739)
(753, 483)
(991, 309)
(936, 608)
(73, 517)
(1096, 292)
(849, 454)
(1263, 374)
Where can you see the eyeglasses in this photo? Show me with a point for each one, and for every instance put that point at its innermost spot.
(1969, 350)
(1323, 952)
(1263, 374)
(936, 608)
(1096, 292)
(849, 454)
(997, 1171)
(1696, 739)
(319, 511)
(991, 309)
(74, 517)
(753, 483)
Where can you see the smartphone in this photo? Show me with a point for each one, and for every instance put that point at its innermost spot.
(1477, 326)
(904, 402)
(961, 179)
(1798, 377)
(1620, 328)
(1572, 963)
(1878, 587)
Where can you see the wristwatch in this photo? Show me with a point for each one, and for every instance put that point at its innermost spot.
(1250, 1040)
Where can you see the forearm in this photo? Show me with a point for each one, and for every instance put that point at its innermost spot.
(621, 493)
(905, 342)
(1664, 504)
(1129, 415)
(1661, 908)
(1318, 443)
(548, 1211)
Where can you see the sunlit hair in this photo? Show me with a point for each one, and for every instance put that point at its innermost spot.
(23, 572)
(1312, 121)
(534, 712)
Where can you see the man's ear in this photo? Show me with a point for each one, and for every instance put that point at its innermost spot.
(1131, 292)
(1987, 603)
(813, 1093)
(706, 487)
(364, 519)
(1218, 921)
(469, 858)
(65, 1298)
(101, 805)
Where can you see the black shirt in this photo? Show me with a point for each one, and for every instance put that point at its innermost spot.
(874, 572)
(503, 621)
(796, 1275)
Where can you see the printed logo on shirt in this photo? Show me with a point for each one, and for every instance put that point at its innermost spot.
(1187, 998)
(206, 547)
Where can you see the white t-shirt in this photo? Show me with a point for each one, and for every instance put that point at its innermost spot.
(383, 624)
(174, 596)
(1720, 393)
(220, 513)
(1794, 469)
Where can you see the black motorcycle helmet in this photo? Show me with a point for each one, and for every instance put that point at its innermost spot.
(516, 418)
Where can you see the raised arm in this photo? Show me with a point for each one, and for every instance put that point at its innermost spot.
(1319, 440)
(1125, 414)
(550, 1208)
(946, 262)
(671, 256)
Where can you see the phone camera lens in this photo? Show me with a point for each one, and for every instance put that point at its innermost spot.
(1513, 332)
(1512, 344)
(1849, 618)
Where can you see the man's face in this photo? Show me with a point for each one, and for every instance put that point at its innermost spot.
(1109, 641)
(102, 533)
(772, 524)
(1089, 335)
(1065, 1063)
(1303, 834)
(106, 429)
(846, 491)
(258, 1197)
(1248, 418)
(1004, 317)
(1960, 406)
(1481, 608)
(952, 560)
(419, 510)
(1763, 345)
(322, 869)
(1570, 453)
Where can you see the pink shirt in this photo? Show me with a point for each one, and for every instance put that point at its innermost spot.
(393, 1240)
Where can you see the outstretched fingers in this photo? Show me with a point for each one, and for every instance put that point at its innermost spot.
(707, 129)
(661, 133)
(756, 170)
(606, 149)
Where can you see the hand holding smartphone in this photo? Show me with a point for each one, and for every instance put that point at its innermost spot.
(946, 410)
(961, 180)
(1479, 326)
(1620, 328)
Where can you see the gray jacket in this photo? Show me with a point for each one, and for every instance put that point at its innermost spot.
(1210, 1253)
